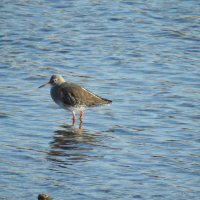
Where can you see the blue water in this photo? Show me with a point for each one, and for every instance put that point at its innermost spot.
(144, 56)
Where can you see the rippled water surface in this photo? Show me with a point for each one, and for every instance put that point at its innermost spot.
(144, 56)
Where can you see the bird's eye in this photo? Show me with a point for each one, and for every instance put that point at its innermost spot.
(55, 80)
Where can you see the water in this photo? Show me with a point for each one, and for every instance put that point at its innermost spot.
(144, 56)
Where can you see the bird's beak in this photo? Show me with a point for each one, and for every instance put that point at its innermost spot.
(44, 85)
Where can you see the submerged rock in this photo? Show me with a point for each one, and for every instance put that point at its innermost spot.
(44, 197)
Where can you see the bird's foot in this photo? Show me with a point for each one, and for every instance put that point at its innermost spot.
(81, 120)
(74, 118)
(81, 116)
(81, 125)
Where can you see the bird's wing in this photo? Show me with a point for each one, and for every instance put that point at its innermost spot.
(91, 98)
(68, 96)
(73, 94)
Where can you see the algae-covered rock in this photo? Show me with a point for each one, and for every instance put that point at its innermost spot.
(44, 197)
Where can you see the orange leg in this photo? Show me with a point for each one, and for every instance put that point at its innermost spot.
(81, 116)
(74, 117)
(81, 125)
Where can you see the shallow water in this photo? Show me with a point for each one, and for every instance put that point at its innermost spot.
(144, 56)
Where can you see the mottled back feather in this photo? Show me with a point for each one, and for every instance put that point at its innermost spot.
(73, 94)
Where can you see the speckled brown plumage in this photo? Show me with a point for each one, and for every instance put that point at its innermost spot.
(73, 94)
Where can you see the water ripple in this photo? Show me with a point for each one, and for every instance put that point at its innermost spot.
(144, 56)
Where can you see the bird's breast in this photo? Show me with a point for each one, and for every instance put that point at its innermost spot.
(57, 97)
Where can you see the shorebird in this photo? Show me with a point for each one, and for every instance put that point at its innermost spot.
(73, 97)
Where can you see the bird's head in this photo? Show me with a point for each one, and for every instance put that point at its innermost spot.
(54, 80)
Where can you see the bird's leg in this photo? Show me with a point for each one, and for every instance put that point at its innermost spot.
(81, 125)
(74, 117)
(81, 115)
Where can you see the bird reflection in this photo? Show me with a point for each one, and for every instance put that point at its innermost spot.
(80, 124)
(73, 144)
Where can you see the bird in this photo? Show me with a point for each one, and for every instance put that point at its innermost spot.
(73, 97)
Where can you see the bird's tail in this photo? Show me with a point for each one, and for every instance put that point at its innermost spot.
(106, 101)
